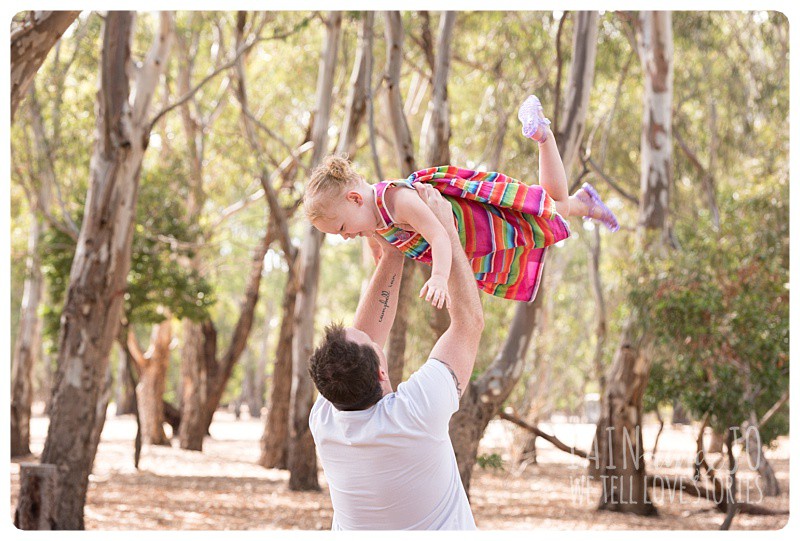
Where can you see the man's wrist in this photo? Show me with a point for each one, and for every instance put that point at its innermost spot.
(395, 257)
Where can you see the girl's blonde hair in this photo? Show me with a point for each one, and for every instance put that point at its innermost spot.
(329, 179)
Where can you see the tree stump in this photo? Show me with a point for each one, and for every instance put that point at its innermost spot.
(36, 496)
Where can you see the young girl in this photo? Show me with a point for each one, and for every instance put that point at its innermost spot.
(505, 226)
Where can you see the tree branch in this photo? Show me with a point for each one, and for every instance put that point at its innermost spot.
(545, 436)
(559, 66)
(632, 198)
(153, 67)
(774, 409)
(186, 97)
(295, 158)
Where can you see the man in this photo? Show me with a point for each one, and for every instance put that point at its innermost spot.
(387, 455)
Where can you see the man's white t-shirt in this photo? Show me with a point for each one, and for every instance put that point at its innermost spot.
(392, 466)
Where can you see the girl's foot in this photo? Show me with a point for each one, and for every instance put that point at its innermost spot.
(534, 123)
(596, 208)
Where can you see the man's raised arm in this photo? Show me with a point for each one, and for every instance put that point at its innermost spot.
(378, 305)
(458, 346)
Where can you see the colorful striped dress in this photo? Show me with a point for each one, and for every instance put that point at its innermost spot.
(505, 227)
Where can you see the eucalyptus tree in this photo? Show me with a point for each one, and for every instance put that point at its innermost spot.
(274, 440)
(93, 307)
(571, 136)
(436, 130)
(41, 184)
(27, 343)
(204, 373)
(718, 307)
(302, 453)
(404, 153)
(618, 459)
(486, 394)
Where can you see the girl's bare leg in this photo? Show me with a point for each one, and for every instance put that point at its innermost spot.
(552, 176)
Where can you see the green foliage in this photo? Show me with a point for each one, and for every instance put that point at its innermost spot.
(720, 291)
(159, 275)
(158, 278)
(720, 311)
(493, 461)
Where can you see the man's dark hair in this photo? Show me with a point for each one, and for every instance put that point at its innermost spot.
(346, 373)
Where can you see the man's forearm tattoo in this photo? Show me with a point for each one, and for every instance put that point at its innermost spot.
(384, 298)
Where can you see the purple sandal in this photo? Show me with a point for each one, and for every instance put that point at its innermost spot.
(591, 199)
(532, 118)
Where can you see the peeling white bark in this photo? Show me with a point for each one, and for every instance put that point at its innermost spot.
(93, 306)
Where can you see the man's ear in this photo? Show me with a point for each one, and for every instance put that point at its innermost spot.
(355, 197)
(382, 375)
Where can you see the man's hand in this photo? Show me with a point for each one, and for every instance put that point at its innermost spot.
(379, 247)
(438, 204)
(375, 248)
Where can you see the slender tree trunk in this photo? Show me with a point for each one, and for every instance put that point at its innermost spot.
(28, 343)
(754, 448)
(125, 392)
(655, 52)
(201, 371)
(356, 108)
(404, 146)
(436, 125)
(29, 47)
(495, 149)
(257, 372)
(302, 460)
(195, 362)
(97, 283)
(275, 440)
(600, 329)
(240, 333)
(26, 347)
(658, 434)
(485, 396)
(302, 454)
(194, 375)
(576, 104)
(619, 455)
(436, 133)
(538, 394)
(153, 366)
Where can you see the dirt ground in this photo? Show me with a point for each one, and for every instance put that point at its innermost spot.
(222, 488)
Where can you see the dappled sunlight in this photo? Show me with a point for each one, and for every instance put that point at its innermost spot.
(223, 488)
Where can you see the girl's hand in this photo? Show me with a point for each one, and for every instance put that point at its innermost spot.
(435, 291)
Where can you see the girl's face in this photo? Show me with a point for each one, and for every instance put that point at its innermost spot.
(354, 216)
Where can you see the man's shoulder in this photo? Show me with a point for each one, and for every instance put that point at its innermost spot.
(425, 374)
(431, 388)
